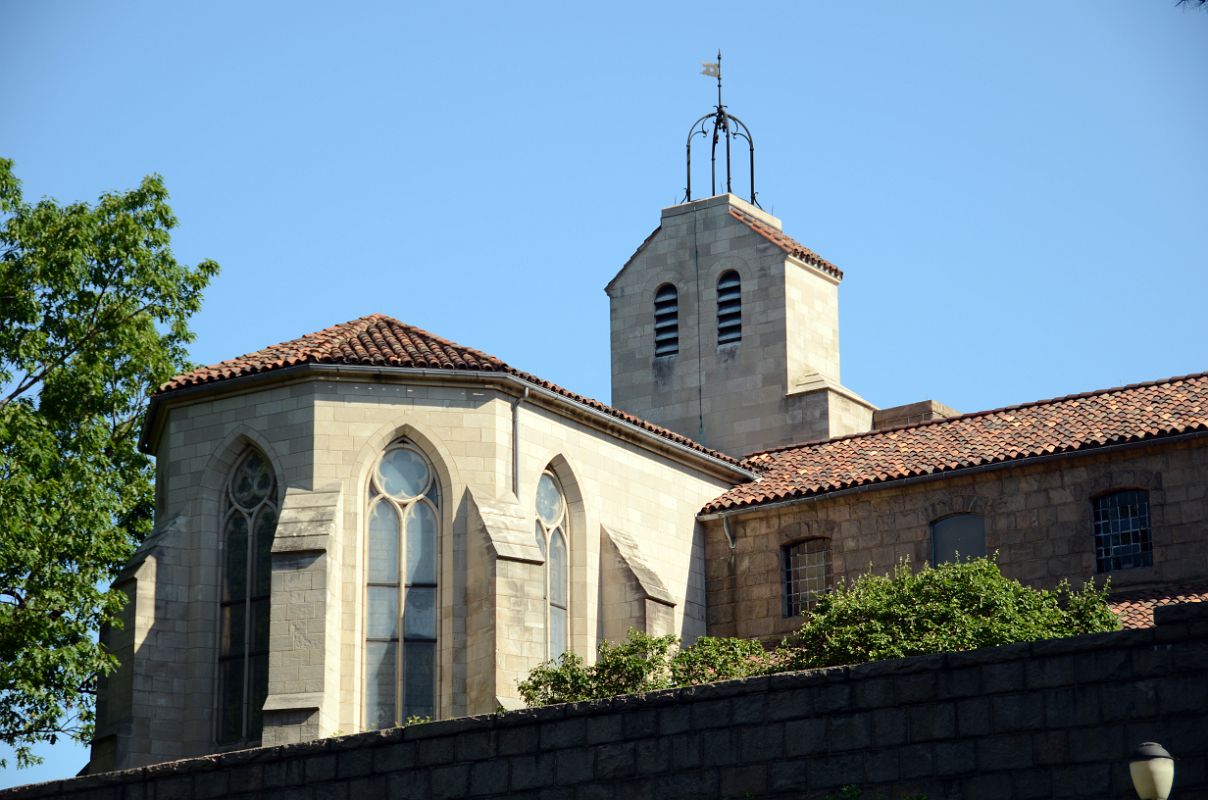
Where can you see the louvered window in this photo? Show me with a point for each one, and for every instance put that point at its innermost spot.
(729, 308)
(666, 321)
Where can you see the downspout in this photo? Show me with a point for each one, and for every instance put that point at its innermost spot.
(725, 526)
(516, 442)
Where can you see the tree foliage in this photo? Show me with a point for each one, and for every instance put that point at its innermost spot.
(93, 316)
(954, 606)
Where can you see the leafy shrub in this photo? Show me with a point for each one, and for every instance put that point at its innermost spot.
(712, 658)
(643, 663)
(954, 606)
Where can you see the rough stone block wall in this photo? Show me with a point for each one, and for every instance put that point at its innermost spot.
(1050, 720)
(1038, 518)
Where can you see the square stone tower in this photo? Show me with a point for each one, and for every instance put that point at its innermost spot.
(726, 330)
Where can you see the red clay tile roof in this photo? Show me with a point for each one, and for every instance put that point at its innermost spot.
(379, 340)
(786, 243)
(1074, 423)
(1135, 608)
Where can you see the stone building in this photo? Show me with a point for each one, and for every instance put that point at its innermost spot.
(371, 523)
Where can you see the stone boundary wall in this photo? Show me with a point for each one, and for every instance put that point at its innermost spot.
(1053, 719)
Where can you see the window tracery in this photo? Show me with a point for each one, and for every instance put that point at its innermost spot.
(401, 605)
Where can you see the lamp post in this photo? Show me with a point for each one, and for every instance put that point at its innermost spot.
(1152, 771)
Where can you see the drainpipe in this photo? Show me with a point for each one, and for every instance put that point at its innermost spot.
(516, 442)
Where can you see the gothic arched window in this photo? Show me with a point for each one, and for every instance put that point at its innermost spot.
(551, 538)
(729, 308)
(249, 521)
(401, 599)
(666, 321)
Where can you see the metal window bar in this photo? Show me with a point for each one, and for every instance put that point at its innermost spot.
(807, 575)
(1122, 531)
(729, 309)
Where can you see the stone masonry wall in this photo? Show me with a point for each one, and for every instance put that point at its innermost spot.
(1038, 518)
(1051, 719)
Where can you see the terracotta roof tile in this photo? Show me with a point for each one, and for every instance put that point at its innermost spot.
(1135, 608)
(379, 340)
(1078, 422)
(787, 243)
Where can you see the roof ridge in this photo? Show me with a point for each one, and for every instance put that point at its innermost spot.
(975, 414)
(423, 350)
(798, 250)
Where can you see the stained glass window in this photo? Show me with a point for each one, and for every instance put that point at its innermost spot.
(249, 522)
(551, 539)
(401, 598)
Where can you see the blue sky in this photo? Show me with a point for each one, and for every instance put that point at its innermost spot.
(1017, 192)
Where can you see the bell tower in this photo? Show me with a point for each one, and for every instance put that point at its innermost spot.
(724, 328)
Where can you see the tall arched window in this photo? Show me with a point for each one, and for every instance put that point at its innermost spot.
(551, 538)
(401, 599)
(249, 521)
(666, 321)
(729, 308)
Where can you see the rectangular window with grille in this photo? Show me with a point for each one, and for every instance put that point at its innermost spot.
(1122, 535)
(807, 574)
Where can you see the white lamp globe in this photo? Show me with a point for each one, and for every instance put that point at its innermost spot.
(1152, 771)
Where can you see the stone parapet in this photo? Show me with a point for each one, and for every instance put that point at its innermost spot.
(1054, 719)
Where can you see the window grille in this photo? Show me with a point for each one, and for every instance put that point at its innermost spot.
(1122, 535)
(666, 321)
(807, 575)
(729, 308)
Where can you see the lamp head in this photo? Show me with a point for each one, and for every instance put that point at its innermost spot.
(1152, 771)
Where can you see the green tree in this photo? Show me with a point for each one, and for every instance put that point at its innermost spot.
(955, 606)
(93, 316)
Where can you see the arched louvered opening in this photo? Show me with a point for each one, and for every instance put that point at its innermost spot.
(666, 321)
(729, 308)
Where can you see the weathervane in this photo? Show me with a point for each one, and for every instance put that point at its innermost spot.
(725, 126)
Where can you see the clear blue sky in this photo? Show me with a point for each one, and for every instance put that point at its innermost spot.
(1018, 192)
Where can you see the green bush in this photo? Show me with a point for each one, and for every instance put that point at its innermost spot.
(644, 663)
(955, 606)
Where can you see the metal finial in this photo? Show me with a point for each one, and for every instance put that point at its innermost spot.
(725, 126)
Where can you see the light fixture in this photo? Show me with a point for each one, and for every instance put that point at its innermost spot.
(1152, 771)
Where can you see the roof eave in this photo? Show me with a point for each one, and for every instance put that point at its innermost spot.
(152, 428)
(813, 497)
